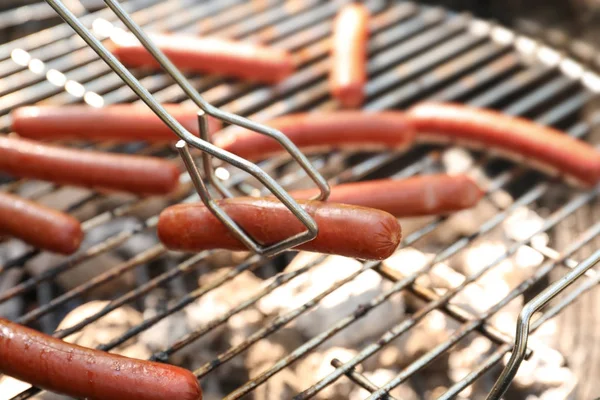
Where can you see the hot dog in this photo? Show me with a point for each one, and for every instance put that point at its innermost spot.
(118, 122)
(544, 147)
(38, 225)
(25, 158)
(412, 197)
(209, 55)
(76, 371)
(345, 230)
(322, 132)
(349, 55)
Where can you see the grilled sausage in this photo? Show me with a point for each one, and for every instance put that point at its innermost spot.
(412, 197)
(313, 132)
(118, 122)
(76, 371)
(349, 55)
(544, 147)
(345, 230)
(25, 158)
(209, 55)
(38, 225)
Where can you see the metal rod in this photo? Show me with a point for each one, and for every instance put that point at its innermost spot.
(509, 372)
(360, 379)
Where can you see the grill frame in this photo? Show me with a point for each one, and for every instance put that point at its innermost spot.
(434, 74)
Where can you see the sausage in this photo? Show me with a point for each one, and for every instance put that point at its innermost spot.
(118, 122)
(58, 366)
(314, 132)
(209, 55)
(412, 197)
(26, 158)
(38, 225)
(345, 230)
(545, 148)
(349, 55)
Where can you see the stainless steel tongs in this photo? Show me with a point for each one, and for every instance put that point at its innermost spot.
(203, 142)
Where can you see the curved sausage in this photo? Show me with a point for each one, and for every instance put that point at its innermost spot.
(345, 230)
(118, 122)
(349, 55)
(412, 197)
(314, 132)
(209, 55)
(39, 226)
(76, 371)
(544, 147)
(25, 158)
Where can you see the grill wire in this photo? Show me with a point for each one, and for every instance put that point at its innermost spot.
(416, 53)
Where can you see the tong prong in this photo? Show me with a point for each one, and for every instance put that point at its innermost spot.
(524, 320)
(211, 110)
(204, 146)
(212, 205)
(206, 160)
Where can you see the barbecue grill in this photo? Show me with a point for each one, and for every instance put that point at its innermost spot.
(416, 52)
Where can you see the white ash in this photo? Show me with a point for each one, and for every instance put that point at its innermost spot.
(11, 249)
(131, 247)
(266, 352)
(457, 160)
(89, 269)
(11, 309)
(166, 331)
(83, 272)
(221, 300)
(226, 258)
(544, 376)
(341, 303)
(64, 197)
(199, 314)
(460, 224)
(466, 222)
(523, 223)
(107, 328)
(440, 277)
(263, 354)
(281, 386)
(469, 354)
(380, 377)
(317, 365)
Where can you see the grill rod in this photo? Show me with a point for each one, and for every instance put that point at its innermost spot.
(203, 143)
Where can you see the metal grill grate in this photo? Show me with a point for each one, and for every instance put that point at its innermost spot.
(415, 53)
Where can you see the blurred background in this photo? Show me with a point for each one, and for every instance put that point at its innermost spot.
(571, 18)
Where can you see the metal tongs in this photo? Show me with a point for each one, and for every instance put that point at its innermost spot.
(203, 142)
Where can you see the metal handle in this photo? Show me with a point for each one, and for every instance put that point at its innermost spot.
(203, 143)
(522, 335)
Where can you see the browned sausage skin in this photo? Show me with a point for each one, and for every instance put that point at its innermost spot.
(38, 225)
(411, 197)
(76, 371)
(209, 55)
(544, 147)
(118, 122)
(345, 230)
(128, 173)
(349, 55)
(313, 132)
